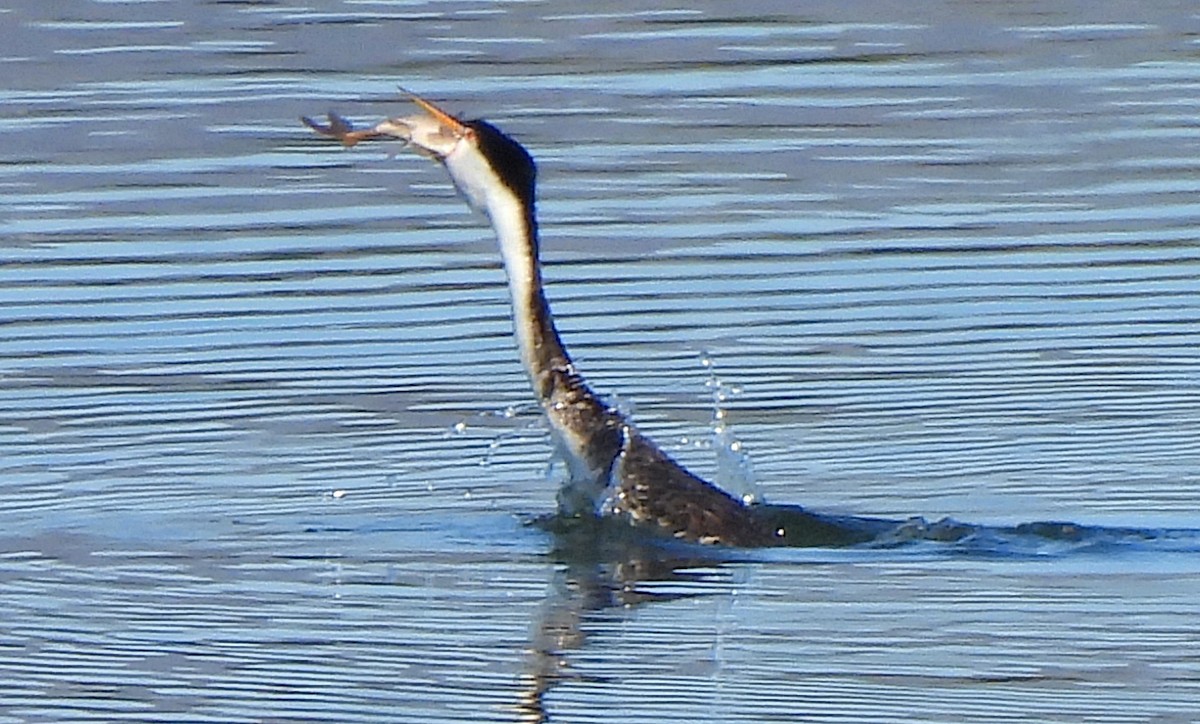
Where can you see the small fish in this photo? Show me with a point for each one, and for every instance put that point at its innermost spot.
(341, 129)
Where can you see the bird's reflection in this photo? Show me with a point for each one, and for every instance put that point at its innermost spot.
(602, 565)
(598, 568)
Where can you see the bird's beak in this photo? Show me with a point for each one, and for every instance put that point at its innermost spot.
(434, 133)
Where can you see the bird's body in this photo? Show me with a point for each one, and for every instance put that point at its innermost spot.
(615, 472)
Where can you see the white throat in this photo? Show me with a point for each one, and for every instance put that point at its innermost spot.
(483, 190)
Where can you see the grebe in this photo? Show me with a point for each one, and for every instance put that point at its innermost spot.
(614, 471)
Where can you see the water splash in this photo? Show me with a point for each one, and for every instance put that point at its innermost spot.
(533, 428)
(735, 472)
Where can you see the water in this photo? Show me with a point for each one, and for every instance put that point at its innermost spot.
(266, 453)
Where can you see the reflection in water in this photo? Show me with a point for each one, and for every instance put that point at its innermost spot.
(598, 568)
(602, 565)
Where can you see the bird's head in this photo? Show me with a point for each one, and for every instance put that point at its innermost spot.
(494, 173)
(484, 162)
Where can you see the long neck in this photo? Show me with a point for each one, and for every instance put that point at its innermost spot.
(588, 433)
(542, 352)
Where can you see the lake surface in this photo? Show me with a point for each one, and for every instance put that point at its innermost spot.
(266, 453)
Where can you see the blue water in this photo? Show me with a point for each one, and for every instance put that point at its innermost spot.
(266, 453)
